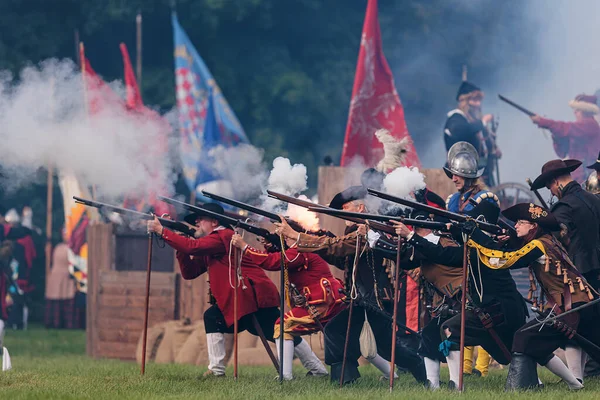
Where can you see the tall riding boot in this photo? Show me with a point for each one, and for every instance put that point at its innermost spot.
(557, 367)
(522, 374)
(350, 372)
(309, 359)
(288, 357)
(216, 354)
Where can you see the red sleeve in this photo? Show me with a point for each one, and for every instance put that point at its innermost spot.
(272, 261)
(206, 246)
(191, 267)
(561, 129)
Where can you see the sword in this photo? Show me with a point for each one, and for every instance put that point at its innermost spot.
(562, 315)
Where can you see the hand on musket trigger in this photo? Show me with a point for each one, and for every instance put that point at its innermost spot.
(283, 228)
(238, 241)
(401, 229)
(154, 226)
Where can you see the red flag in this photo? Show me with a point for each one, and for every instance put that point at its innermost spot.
(134, 97)
(96, 91)
(375, 103)
(136, 105)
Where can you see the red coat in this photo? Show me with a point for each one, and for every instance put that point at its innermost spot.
(579, 140)
(307, 271)
(211, 253)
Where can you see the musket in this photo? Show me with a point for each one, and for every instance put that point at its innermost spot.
(174, 225)
(588, 304)
(502, 223)
(370, 218)
(272, 216)
(484, 226)
(515, 105)
(234, 222)
(537, 194)
(309, 204)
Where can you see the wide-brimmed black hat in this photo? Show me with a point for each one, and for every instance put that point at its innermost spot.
(552, 169)
(214, 207)
(468, 88)
(532, 213)
(595, 165)
(486, 209)
(348, 195)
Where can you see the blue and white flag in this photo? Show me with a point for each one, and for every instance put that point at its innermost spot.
(205, 118)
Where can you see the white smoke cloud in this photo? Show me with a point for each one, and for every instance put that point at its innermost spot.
(402, 181)
(44, 121)
(287, 179)
(307, 219)
(243, 170)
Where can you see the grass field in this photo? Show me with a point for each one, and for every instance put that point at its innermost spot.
(51, 364)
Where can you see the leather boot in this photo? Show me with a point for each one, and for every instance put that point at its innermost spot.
(522, 374)
(350, 372)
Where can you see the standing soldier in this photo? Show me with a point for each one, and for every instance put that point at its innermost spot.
(467, 124)
(576, 140)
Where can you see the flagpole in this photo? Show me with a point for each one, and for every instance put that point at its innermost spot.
(85, 95)
(138, 61)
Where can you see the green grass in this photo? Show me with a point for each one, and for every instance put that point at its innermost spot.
(51, 364)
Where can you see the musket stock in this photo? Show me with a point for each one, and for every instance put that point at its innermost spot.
(537, 194)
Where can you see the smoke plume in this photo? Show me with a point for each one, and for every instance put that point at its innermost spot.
(44, 120)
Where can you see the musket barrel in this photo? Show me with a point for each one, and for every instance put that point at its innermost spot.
(272, 216)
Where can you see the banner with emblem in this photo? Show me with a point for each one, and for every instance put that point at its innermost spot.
(375, 103)
(197, 95)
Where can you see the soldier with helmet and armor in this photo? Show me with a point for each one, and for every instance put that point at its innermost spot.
(463, 169)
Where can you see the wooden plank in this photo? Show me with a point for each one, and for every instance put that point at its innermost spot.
(134, 325)
(124, 290)
(118, 335)
(135, 313)
(159, 279)
(110, 300)
(123, 351)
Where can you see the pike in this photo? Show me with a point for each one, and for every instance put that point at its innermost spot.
(537, 194)
(174, 225)
(484, 226)
(238, 224)
(517, 106)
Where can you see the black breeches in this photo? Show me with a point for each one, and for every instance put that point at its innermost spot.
(430, 340)
(477, 335)
(214, 321)
(335, 337)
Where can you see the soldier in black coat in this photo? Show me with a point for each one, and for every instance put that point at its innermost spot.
(467, 124)
(579, 212)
